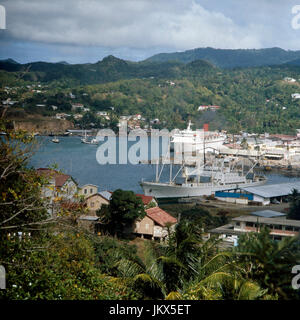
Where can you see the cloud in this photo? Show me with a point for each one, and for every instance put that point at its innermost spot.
(141, 24)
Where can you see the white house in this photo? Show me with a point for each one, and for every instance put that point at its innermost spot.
(76, 106)
(296, 95)
(288, 79)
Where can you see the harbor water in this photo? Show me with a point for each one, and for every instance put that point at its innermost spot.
(79, 160)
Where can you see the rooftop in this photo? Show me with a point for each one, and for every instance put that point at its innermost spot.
(268, 214)
(160, 216)
(275, 221)
(88, 185)
(97, 195)
(105, 194)
(60, 178)
(273, 190)
(146, 199)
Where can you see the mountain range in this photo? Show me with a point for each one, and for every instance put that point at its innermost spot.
(231, 58)
(167, 65)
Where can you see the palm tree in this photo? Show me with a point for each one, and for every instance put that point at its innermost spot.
(269, 262)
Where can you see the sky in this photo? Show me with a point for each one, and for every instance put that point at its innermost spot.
(83, 31)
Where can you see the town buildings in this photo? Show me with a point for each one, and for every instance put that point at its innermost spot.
(279, 226)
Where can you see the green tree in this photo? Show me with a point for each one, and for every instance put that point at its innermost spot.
(21, 205)
(124, 208)
(294, 209)
(269, 262)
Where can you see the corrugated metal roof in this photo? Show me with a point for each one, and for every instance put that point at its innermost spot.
(273, 190)
(268, 214)
(105, 194)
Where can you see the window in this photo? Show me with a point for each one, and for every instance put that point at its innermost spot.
(296, 229)
(249, 224)
(91, 190)
(289, 228)
(237, 224)
(147, 226)
(85, 191)
(92, 204)
(279, 227)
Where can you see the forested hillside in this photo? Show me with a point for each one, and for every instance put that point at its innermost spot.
(253, 99)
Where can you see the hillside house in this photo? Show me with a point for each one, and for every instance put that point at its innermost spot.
(95, 202)
(78, 116)
(296, 95)
(290, 80)
(59, 187)
(212, 108)
(102, 113)
(155, 224)
(76, 106)
(88, 190)
(61, 116)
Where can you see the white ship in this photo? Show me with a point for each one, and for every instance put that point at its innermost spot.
(201, 181)
(189, 141)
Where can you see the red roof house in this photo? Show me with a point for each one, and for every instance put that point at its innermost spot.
(154, 224)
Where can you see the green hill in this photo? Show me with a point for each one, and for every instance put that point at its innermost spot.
(108, 70)
(230, 58)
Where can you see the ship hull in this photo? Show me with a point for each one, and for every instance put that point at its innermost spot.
(165, 190)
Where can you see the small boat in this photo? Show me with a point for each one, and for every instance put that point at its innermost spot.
(55, 140)
(94, 141)
(84, 140)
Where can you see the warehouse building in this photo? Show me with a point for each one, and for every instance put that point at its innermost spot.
(263, 195)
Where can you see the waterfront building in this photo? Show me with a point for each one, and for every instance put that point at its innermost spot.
(263, 195)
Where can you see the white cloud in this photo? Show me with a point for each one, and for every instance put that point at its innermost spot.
(128, 23)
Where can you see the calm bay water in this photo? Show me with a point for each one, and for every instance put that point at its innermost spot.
(79, 160)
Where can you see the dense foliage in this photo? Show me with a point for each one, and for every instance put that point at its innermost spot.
(251, 99)
(294, 209)
(123, 209)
